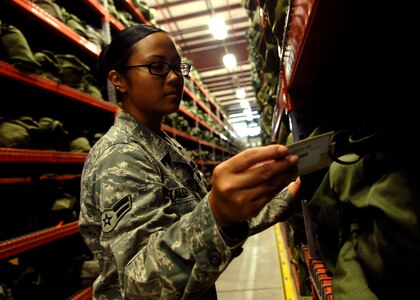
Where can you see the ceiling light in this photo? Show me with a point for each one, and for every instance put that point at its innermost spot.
(241, 128)
(244, 130)
(249, 117)
(229, 60)
(254, 131)
(240, 93)
(248, 114)
(244, 104)
(218, 28)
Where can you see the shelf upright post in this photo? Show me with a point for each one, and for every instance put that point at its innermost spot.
(106, 28)
(200, 155)
(217, 112)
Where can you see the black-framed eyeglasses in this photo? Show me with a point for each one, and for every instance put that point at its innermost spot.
(163, 69)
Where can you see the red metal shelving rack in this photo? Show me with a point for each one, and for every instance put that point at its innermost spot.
(184, 135)
(9, 156)
(53, 23)
(12, 155)
(203, 106)
(9, 71)
(85, 294)
(20, 180)
(135, 11)
(104, 14)
(35, 239)
(302, 56)
(201, 122)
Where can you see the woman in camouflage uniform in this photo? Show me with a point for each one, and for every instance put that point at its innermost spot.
(145, 212)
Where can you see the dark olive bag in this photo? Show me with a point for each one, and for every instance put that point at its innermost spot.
(366, 213)
(15, 49)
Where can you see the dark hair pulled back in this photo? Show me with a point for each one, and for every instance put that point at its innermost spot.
(115, 55)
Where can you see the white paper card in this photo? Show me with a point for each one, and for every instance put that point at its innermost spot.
(312, 152)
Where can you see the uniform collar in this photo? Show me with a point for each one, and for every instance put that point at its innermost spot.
(160, 145)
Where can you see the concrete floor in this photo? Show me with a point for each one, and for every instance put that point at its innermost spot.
(256, 273)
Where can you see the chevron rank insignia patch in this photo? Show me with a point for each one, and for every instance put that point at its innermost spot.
(111, 216)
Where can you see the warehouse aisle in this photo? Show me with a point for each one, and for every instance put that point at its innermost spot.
(255, 274)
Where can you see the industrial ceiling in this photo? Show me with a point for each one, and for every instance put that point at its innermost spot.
(187, 21)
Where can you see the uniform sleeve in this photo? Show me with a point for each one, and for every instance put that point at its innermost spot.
(182, 262)
(157, 251)
(277, 210)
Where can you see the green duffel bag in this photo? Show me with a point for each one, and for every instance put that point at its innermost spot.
(144, 8)
(75, 23)
(90, 86)
(124, 17)
(72, 70)
(52, 136)
(51, 7)
(64, 208)
(16, 50)
(367, 218)
(277, 12)
(14, 135)
(96, 36)
(249, 5)
(18, 133)
(79, 144)
(51, 67)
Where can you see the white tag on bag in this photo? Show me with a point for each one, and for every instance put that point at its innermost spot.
(313, 152)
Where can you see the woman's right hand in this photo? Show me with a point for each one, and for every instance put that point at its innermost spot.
(245, 183)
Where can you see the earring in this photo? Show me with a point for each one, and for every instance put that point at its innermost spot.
(118, 88)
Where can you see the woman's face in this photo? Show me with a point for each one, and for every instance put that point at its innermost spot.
(149, 97)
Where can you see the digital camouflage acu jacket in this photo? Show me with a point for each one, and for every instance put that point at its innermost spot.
(146, 217)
